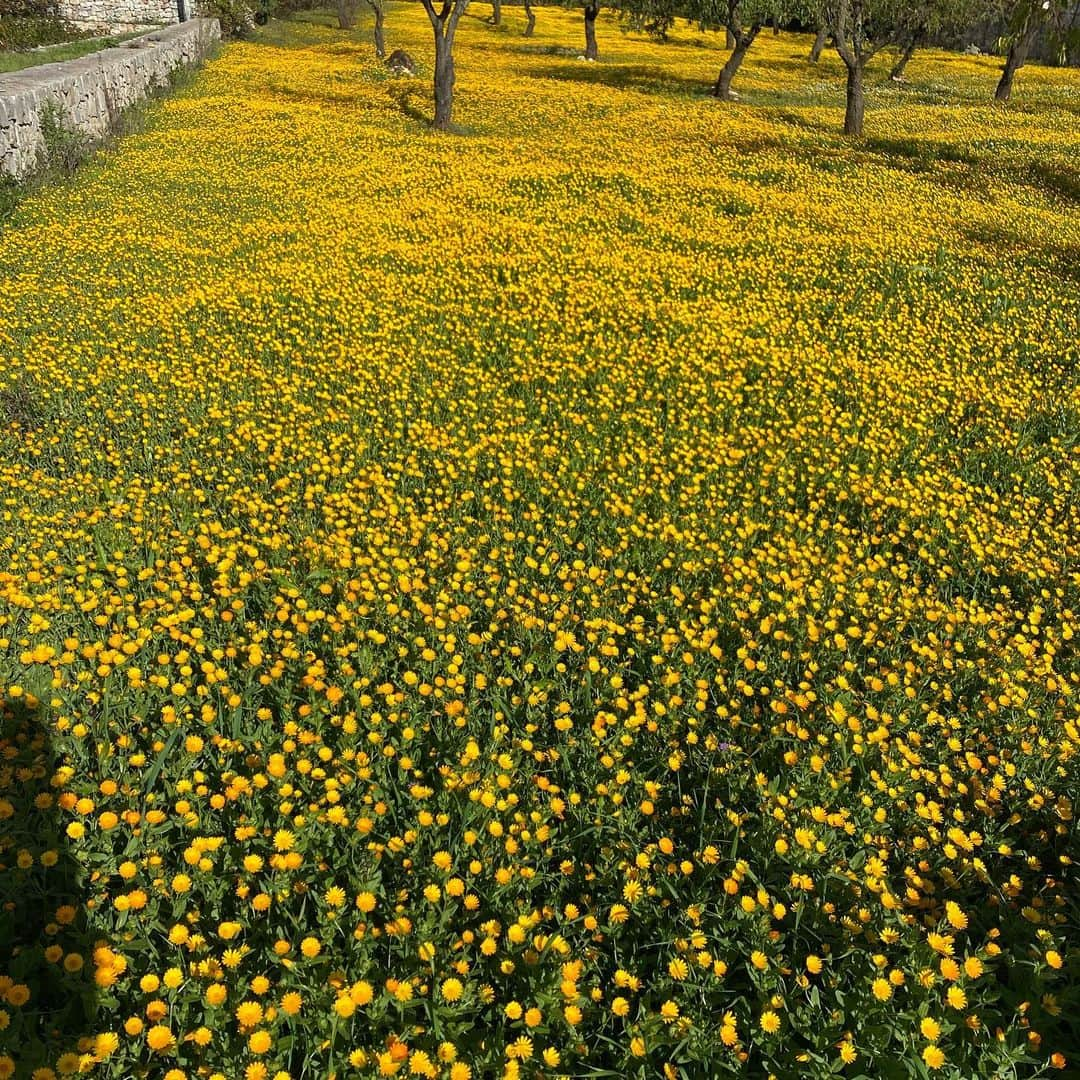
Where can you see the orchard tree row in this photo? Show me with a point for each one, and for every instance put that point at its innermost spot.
(857, 29)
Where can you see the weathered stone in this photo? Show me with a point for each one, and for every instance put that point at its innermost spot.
(120, 14)
(401, 63)
(90, 91)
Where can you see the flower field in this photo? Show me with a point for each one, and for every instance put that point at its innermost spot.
(596, 596)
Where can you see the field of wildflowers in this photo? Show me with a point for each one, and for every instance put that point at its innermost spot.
(594, 597)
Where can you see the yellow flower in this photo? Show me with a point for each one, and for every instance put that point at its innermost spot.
(403, 507)
(955, 915)
(159, 1038)
(344, 1006)
(678, 968)
(248, 1013)
(933, 1057)
(941, 943)
(105, 1044)
(520, 1049)
(259, 1042)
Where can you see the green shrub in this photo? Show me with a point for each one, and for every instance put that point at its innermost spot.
(26, 9)
(64, 149)
(28, 31)
(237, 17)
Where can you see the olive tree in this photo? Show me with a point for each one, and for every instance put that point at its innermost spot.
(378, 11)
(346, 16)
(592, 9)
(921, 20)
(860, 29)
(654, 17)
(346, 13)
(444, 23)
(743, 20)
(1024, 20)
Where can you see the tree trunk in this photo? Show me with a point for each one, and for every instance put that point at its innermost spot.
(1013, 62)
(444, 83)
(776, 26)
(722, 89)
(346, 14)
(496, 12)
(897, 72)
(530, 16)
(856, 104)
(729, 38)
(380, 39)
(819, 44)
(591, 11)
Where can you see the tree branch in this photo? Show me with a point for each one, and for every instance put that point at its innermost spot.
(432, 14)
(455, 9)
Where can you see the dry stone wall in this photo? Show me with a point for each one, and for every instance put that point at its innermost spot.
(89, 93)
(119, 14)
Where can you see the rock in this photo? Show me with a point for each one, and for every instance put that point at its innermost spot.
(401, 63)
(973, 50)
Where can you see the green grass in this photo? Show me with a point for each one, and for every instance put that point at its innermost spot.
(55, 54)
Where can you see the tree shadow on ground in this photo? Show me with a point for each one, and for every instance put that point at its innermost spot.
(1061, 259)
(47, 987)
(537, 49)
(920, 153)
(640, 77)
(402, 95)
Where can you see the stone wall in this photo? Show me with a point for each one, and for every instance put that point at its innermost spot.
(117, 14)
(120, 14)
(90, 92)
